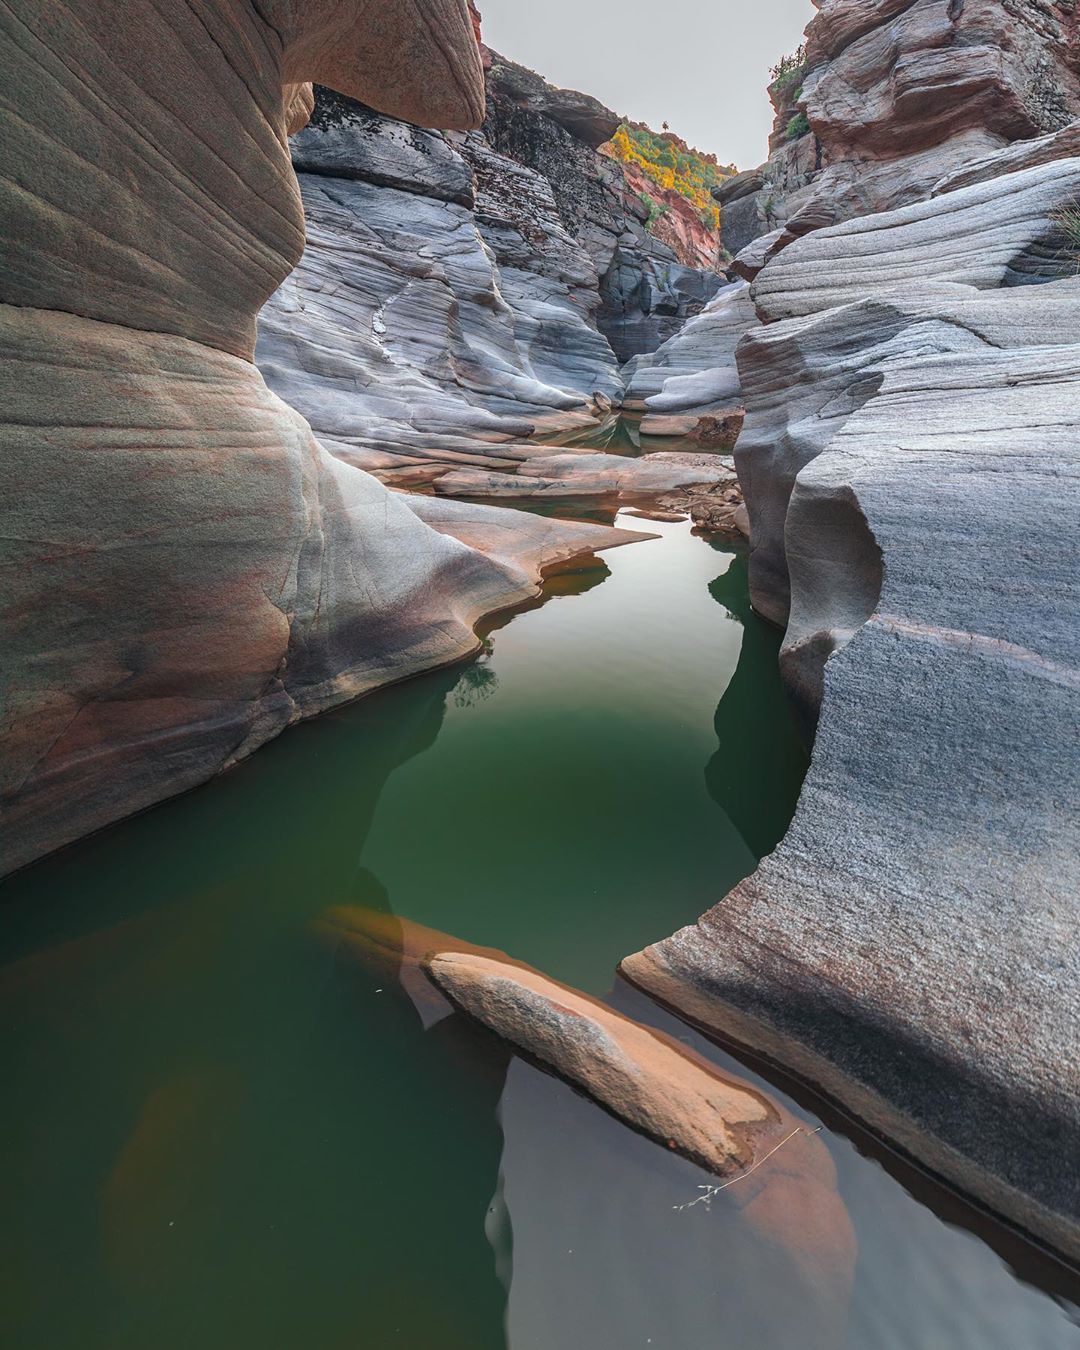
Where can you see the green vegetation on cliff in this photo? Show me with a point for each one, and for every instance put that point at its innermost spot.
(1068, 221)
(789, 71)
(671, 164)
(798, 126)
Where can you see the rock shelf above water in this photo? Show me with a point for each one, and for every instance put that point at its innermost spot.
(591, 475)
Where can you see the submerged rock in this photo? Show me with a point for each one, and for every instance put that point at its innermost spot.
(779, 1176)
(647, 1080)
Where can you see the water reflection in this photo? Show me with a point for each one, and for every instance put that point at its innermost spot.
(756, 773)
(225, 1133)
(221, 1137)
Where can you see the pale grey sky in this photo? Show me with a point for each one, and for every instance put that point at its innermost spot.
(701, 65)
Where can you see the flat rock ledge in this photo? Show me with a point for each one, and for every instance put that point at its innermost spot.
(591, 474)
(637, 1074)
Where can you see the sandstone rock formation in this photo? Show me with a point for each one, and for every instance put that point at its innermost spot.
(186, 569)
(1004, 232)
(693, 375)
(453, 288)
(910, 458)
(893, 96)
(1055, 145)
(804, 377)
(646, 292)
(653, 1084)
(440, 308)
(588, 475)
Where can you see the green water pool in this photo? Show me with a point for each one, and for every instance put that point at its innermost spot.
(220, 1132)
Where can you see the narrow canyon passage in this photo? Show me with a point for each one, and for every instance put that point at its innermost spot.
(233, 1135)
(656, 551)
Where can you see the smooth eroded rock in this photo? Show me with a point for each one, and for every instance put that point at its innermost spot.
(906, 945)
(586, 475)
(186, 569)
(644, 1078)
(998, 233)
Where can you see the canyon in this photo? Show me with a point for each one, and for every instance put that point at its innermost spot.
(254, 303)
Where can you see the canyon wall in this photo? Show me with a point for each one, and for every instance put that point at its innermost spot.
(648, 289)
(460, 293)
(441, 313)
(911, 464)
(186, 569)
(888, 98)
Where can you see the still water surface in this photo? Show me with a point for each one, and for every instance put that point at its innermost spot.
(221, 1134)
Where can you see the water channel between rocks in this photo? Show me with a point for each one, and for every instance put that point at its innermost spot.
(220, 1132)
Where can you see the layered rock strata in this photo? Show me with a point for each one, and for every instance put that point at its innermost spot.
(186, 569)
(440, 309)
(693, 375)
(452, 295)
(647, 293)
(1004, 232)
(891, 97)
(589, 475)
(911, 458)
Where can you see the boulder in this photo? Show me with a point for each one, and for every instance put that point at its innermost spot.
(650, 1082)
(714, 431)
(718, 431)
(786, 1189)
(714, 515)
(739, 185)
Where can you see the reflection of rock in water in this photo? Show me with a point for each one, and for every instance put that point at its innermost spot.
(588, 1225)
(602, 1259)
(477, 682)
(756, 773)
